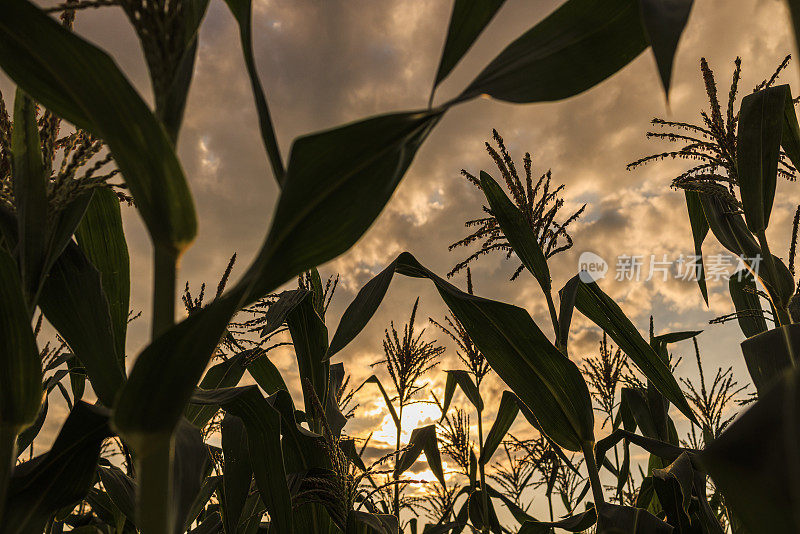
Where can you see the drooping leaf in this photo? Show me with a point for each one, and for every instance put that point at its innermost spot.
(423, 439)
(101, 237)
(616, 518)
(121, 489)
(29, 180)
(543, 378)
(605, 313)
(516, 229)
(225, 374)
(266, 374)
(575, 523)
(263, 424)
(189, 470)
(60, 477)
(506, 414)
(237, 473)
(673, 485)
(467, 21)
(664, 21)
(242, 11)
(769, 354)
(75, 303)
(755, 463)
(485, 519)
(461, 379)
(82, 84)
(697, 219)
(375, 380)
(567, 295)
(576, 47)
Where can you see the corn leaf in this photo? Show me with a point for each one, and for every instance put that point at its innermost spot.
(506, 413)
(761, 125)
(74, 302)
(375, 380)
(242, 11)
(663, 21)
(82, 84)
(263, 425)
(699, 225)
(101, 237)
(225, 374)
(616, 518)
(575, 523)
(422, 439)
(237, 473)
(461, 379)
(543, 378)
(121, 489)
(266, 375)
(30, 194)
(467, 21)
(576, 47)
(769, 354)
(755, 462)
(742, 287)
(60, 477)
(516, 229)
(605, 313)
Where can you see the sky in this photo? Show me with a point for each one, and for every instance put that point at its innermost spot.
(324, 63)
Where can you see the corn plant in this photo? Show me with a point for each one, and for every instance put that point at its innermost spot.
(63, 252)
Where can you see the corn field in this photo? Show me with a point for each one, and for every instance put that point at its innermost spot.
(172, 440)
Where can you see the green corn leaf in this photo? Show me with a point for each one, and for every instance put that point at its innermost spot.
(673, 485)
(506, 414)
(210, 485)
(769, 354)
(333, 414)
(21, 373)
(615, 518)
(742, 287)
(30, 194)
(576, 47)
(516, 229)
(477, 515)
(82, 84)
(266, 375)
(761, 125)
(242, 11)
(697, 219)
(663, 21)
(422, 439)
(675, 337)
(375, 380)
(592, 302)
(567, 295)
(225, 374)
(74, 302)
(353, 171)
(303, 450)
(755, 462)
(121, 489)
(575, 523)
(729, 228)
(366, 523)
(101, 237)
(237, 473)
(263, 423)
(192, 464)
(467, 21)
(543, 378)
(464, 381)
(60, 477)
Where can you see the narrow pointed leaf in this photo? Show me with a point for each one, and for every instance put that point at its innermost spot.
(575, 523)
(226, 374)
(467, 21)
(664, 21)
(101, 237)
(516, 229)
(506, 414)
(576, 47)
(742, 287)
(422, 439)
(237, 473)
(697, 219)
(82, 84)
(464, 381)
(605, 313)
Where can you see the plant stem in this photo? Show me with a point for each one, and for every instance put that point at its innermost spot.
(164, 272)
(594, 474)
(8, 457)
(481, 468)
(154, 469)
(396, 461)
